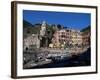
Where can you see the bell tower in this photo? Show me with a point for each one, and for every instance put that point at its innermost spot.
(43, 28)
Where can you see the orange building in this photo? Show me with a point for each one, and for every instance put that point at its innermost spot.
(86, 38)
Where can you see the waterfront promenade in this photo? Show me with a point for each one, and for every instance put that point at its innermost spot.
(53, 57)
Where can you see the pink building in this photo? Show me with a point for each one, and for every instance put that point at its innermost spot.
(61, 36)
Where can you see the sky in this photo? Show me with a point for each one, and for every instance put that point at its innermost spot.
(72, 20)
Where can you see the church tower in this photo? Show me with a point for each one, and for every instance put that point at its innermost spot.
(43, 29)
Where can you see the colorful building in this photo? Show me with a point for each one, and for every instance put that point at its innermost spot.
(76, 37)
(86, 38)
(67, 37)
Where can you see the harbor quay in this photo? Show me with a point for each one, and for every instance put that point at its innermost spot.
(45, 56)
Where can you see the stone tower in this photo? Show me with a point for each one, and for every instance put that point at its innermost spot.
(43, 29)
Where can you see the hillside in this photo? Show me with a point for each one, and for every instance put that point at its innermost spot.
(26, 24)
(86, 29)
(28, 28)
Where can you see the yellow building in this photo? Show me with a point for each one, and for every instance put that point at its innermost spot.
(75, 37)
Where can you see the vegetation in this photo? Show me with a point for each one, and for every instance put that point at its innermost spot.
(26, 24)
(86, 29)
(31, 29)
